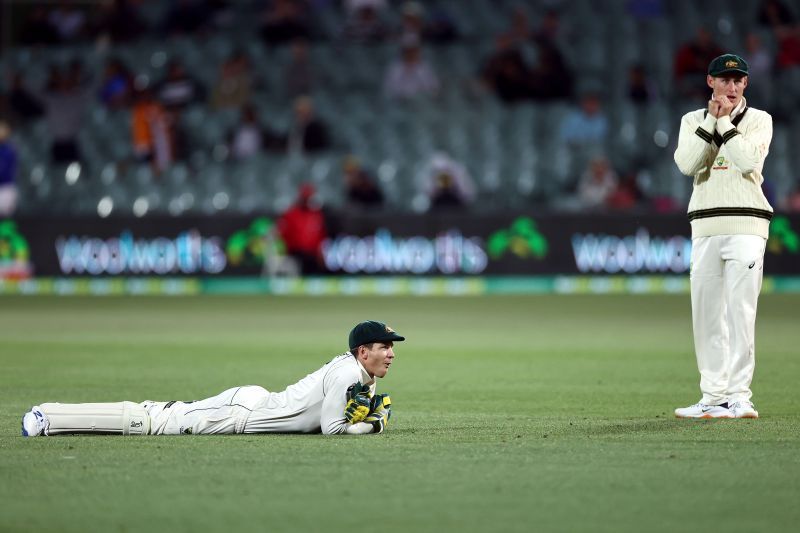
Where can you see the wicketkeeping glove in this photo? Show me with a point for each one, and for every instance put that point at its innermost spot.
(358, 403)
(380, 411)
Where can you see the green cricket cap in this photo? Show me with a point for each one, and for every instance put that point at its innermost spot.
(372, 331)
(727, 64)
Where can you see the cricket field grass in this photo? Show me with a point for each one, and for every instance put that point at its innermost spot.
(540, 413)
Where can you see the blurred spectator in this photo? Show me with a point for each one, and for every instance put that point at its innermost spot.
(550, 79)
(792, 202)
(235, 82)
(641, 89)
(352, 6)
(448, 182)
(187, 16)
(298, 75)
(587, 125)
(65, 98)
(551, 29)
(68, 21)
(519, 30)
(120, 21)
(23, 104)
(645, 9)
(177, 90)
(248, 138)
(597, 183)
(364, 23)
(445, 195)
(284, 21)
(302, 228)
(505, 71)
(37, 28)
(412, 23)
(663, 203)
(788, 47)
(152, 131)
(440, 28)
(759, 60)
(8, 173)
(628, 194)
(361, 189)
(410, 76)
(430, 25)
(774, 13)
(116, 87)
(691, 65)
(307, 133)
(760, 63)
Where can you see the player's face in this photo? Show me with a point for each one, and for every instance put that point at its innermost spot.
(378, 358)
(731, 87)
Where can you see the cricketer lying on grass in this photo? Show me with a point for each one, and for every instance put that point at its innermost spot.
(338, 398)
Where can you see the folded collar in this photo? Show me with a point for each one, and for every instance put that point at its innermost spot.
(739, 108)
(365, 379)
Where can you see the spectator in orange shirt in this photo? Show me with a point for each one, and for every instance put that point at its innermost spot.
(151, 131)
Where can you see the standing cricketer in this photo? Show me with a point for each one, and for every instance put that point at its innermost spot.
(723, 149)
(338, 398)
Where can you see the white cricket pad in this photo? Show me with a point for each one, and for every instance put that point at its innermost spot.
(119, 418)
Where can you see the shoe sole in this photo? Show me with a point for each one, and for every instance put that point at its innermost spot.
(704, 417)
(748, 415)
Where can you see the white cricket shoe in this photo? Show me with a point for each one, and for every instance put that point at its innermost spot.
(34, 423)
(701, 410)
(744, 409)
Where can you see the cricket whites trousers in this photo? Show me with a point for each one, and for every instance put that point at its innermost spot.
(726, 275)
(226, 412)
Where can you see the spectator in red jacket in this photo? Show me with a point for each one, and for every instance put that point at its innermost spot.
(302, 228)
(691, 62)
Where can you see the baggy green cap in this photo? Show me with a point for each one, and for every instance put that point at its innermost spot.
(372, 331)
(727, 64)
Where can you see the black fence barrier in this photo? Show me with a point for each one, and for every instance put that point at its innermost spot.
(512, 244)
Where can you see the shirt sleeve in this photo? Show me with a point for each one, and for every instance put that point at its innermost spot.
(694, 144)
(749, 151)
(332, 420)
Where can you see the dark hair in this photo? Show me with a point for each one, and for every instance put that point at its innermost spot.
(354, 349)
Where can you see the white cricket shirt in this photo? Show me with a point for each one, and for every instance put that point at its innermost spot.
(315, 403)
(725, 157)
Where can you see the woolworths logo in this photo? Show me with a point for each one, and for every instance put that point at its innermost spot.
(188, 253)
(637, 253)
(248, 247)
(782, 237)
(522, 239)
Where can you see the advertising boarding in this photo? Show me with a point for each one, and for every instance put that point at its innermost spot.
(370, 245)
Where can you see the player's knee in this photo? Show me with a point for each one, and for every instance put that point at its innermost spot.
(249, 396)
(135, 420)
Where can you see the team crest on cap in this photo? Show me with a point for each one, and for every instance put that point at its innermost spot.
(731, 63)
(389, 330)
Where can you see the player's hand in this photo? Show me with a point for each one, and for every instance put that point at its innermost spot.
(713, 106)
(725, 106)
(357, 388)
(380, 411)
(358, 403)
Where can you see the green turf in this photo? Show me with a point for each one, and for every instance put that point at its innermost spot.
(510, 414)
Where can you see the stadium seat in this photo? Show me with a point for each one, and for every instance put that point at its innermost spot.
(513, 152)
